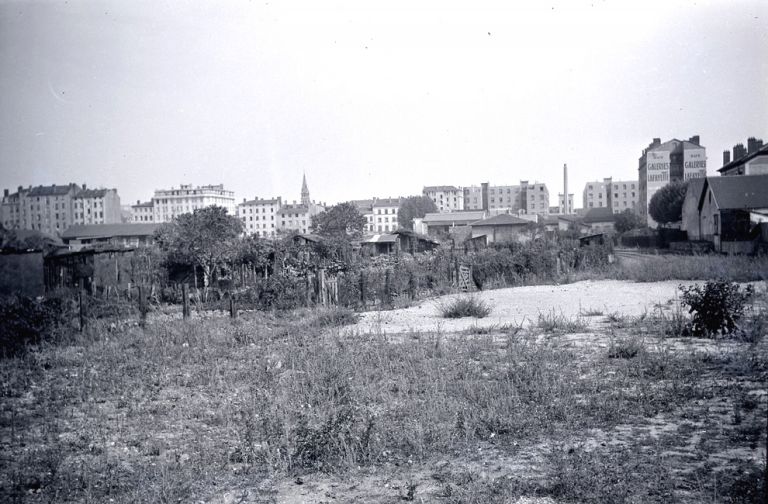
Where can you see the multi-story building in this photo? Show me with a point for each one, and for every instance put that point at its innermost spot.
(298, 216)
(52, 209)
(96, 206)
(671, 161)
(618, 195)
(752, 160)
(446, 198)
(365, 207)
(260, 216)
(560, 208)
(514, 199)
(170, 203)
(385, 212)
(143, 212)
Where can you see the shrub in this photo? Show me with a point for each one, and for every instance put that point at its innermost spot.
(336, 316)
(715, 307)
(25, 321)
(465, 306)
(553, 322)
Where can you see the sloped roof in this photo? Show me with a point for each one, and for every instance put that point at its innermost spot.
(380, 238)
(363, 205)
(52, 190)
(502, 220)
(298, 208)
(695, 187)
(92, 193)
(600, 214)
(443, 188)
(413, 234)
(740, 192)
(387, 202)
(260, 201)
(145, 204)
(570, 218)
(762, 151)
(465, 217)
(80, 231)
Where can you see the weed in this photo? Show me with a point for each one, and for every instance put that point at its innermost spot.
(553, 322)
(715, 307)
(627, 348)
(465, 306)
(591, 312)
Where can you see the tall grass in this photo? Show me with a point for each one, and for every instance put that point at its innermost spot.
(704, 267)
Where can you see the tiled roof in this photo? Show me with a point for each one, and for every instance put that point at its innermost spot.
(465, 217)
(387, 202)
(52, 190)
(601, 214)
(145, 204)
(92, 193)
(259, 201)
(439, 188)
(79, 231)
(502, 220)
(298, 208)
(740, 191)
(744, 159)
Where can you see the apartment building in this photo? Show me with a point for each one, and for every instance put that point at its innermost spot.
(96, 206)
(260, 216)
(560, 208)
(170, 203)
(297, 217)
(446, 198)
(514, 199)
(618, 195)
(662, 163)
(143, 212)
(385, 213)
(365, 207)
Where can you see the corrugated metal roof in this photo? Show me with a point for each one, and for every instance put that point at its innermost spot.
(502, 220)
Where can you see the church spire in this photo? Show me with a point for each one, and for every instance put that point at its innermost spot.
(304, 191)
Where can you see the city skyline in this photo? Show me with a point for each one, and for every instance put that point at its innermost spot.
(368, 102)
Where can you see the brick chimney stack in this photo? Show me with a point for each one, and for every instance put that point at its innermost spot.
(751, 145)
(726, 157)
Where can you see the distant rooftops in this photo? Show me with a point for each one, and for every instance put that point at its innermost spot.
(441, 188)
(90, 231)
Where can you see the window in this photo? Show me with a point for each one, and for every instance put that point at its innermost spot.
(715, 222)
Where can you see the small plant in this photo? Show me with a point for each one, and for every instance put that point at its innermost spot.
(625, 349)
(336, 317)
(715, 307)
(553, 322)
(591, 312)
(465, 306)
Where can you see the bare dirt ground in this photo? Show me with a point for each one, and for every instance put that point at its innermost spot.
(522, 305)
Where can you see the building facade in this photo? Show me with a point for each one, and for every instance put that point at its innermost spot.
(445, 198)
(560, 208)
(96, 206)
(385, 211)
(365, 207)
(260, 216)
(662, 163)
(143, 212)
(618, 195)
(752, 160)
(513, 199)
(297, 217)
(170, 203)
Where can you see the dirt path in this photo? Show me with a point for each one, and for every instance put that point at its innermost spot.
(522, 305)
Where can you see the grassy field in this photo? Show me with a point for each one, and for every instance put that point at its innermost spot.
(283, 407)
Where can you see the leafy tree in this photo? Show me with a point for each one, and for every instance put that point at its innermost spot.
(256, 252)
(627, 220)
(667, 204)
(341, 220)
(207, 238)
(414, 207)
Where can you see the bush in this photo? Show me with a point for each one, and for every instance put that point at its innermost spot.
(25, 321)
(465, 306)
(715, 307)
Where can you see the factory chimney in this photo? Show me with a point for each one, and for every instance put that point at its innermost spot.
(566, 210)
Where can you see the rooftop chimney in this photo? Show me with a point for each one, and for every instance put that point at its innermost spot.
(656, 141)
(751, 145)
(726, 157)
(138, 202)
(694, 139)
(5, 192)
(739, 151)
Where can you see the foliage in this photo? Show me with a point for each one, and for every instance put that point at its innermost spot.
(22, 240)
(716, 306)
(25, 321)
(628, 220)
(666, 205)
(341, 221)
(414, 207)
(255, 252)
(465, 306)
(207, 237)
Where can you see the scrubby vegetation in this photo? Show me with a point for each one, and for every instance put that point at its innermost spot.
(715, 307)
(465, 306)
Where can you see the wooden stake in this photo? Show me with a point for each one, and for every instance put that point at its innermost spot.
(185, 300)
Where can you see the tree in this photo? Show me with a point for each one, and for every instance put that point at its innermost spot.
(627, 220)
(341, 221)
(207, 238)
(667, 204)
(414, 207)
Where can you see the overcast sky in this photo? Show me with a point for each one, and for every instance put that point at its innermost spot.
(369, 99)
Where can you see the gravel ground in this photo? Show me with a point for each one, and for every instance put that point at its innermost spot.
(518, 305)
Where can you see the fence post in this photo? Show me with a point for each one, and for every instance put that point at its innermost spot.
(411, 285)
(142, 306)
(323, 291)
(308, 287)
(362, 288)
(81, 303)
(387, 287)
(185, 301)
(232, 307)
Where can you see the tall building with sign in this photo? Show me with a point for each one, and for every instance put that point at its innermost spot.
(672, 161)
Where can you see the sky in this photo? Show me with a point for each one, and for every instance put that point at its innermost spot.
(369, 98)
